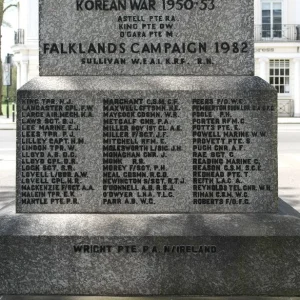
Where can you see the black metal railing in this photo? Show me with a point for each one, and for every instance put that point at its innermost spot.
(19, 37)
(277, 32)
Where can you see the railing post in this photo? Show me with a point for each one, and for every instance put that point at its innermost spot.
(13, 111)
(298, 32)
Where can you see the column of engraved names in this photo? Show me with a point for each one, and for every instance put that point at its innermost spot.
(221, 175)
(160, 27)
(50, 143)
(136, 143)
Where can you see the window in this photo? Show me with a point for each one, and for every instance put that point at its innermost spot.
(280, 75)
(271, 19)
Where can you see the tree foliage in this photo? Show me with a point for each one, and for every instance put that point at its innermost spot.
(1, 79)
(2, 11)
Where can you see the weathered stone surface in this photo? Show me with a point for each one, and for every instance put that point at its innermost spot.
(250, 254)
(143, 298)
(161, 38)
(159, 144)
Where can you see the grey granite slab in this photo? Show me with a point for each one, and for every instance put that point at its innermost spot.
(162, 225)
(16, 297)
(149, 144)
(150, 255)
(144, 298)
(146, 37)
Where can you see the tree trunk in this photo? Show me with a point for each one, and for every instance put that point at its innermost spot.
(1, 19)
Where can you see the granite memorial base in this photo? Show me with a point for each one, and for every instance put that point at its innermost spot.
(147, 145)
(182, 169)
(167, 254)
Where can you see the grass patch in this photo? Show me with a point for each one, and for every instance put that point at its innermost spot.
(4, 107)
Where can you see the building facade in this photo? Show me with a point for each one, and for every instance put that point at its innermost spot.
(25, 50)
(277, 48)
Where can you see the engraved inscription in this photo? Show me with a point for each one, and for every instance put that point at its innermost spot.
(145, 152)
(133, 37)
(136, 144)
(50, 140)
(221, 162)
(125, 249)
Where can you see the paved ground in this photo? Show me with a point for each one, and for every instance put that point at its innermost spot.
(7, 166)
(7, 123)
(289, 163)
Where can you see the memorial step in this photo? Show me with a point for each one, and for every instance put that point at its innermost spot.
(135, 255)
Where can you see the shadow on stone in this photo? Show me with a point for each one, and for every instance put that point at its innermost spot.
(286, 209)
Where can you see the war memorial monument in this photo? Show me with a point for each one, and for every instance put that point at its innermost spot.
(147, 157)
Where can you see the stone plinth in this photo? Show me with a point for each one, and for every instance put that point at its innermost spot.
(147, 145)
(125, 255)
